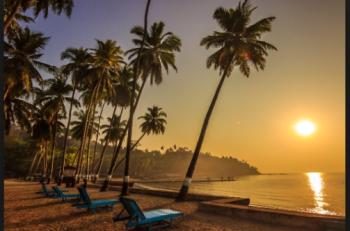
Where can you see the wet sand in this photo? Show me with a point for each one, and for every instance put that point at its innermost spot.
(26, 210)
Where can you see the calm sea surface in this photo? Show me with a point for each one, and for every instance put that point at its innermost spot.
(322, 193)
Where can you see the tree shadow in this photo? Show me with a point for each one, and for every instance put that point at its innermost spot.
(37, 206)
(49, 220)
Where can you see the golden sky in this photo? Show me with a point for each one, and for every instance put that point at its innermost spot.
(254, 117)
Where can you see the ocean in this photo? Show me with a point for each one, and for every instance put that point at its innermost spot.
(313, 192)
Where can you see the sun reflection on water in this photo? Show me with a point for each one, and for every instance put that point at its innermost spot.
(317, 186)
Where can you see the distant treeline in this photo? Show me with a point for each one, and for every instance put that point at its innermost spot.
(170, 163)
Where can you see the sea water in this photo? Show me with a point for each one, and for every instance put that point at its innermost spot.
(313, 192)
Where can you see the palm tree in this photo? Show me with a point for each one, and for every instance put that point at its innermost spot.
(154, 53)
(154, 122)
(158, 52)
(77, 68)
(105, 63)
(21, 63)
(132, 110)
(122, 98)
(15, 7)
(52, 101)
(239, 45)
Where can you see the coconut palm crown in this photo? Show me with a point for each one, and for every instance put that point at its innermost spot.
(158, 51)
(239, 42)
(154, 121)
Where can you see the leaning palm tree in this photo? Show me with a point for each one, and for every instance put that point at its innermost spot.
(15, 7)
(153, 122)
(53, 102)
(76, 68)
(21, 69)
(131, 109)
(239, 45)
(122, 99)
(154, 53)
(106, 60)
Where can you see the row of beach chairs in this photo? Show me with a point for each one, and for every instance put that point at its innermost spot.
(135, 216)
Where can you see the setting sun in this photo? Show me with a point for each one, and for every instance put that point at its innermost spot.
(305, 127)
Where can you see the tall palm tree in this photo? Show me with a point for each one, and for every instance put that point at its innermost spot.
(15, 7)
(106, 60)
(155, 51)
(21, 68)
(240, 45)
(76, 68)
(122, 89)
(131, 109)
(53, 103)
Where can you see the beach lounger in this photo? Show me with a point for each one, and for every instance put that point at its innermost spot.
(157, 218)
(93, 204)
(65, 196)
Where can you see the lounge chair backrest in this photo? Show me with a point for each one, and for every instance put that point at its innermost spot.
(132, 208)
(84, 195)
(57, 190)
(44, 188)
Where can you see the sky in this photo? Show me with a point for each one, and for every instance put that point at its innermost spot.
(254, 117)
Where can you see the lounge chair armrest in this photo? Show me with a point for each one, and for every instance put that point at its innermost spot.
(119, 217)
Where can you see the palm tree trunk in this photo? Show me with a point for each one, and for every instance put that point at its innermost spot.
(45, 161)
(89, 144)
(66, 137)
(185, 186)
(97, 135)
(89, 125)
(12, 15)
(138, 141)
(115, 164)
(99, 164)
(86, 124)
(121, 140)
(53, 144)
(76, 155)
(37, 164)
(125, 188)
(35, 158)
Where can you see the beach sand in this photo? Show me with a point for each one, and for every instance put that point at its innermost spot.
(26, 210)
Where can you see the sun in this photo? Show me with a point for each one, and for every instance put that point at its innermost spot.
(305, 127)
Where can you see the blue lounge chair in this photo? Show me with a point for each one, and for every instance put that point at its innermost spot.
(91, 205)
(65, 196)
(157, 218)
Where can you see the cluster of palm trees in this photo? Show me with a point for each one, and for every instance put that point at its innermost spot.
(93, 78)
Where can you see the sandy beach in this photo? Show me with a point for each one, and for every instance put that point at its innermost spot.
(26, 210)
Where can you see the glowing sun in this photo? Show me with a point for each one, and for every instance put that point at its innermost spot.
(305, 127)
